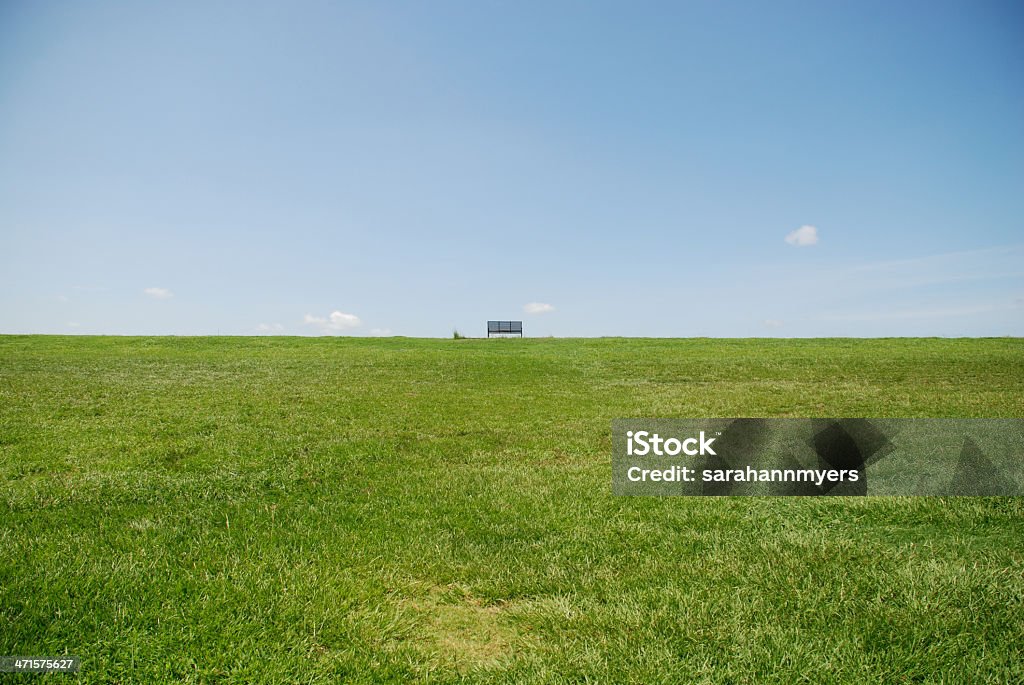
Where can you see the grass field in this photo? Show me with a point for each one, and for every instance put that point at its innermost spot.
(279, 510)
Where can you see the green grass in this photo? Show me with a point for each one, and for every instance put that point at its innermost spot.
(361, 510)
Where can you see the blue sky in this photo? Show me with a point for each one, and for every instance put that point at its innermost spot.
(375, 168)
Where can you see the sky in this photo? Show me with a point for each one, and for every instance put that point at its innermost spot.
(784, 169)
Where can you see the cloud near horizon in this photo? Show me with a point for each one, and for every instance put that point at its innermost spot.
(335, 323)
(805, 236)
(159, 293)
(538, 308)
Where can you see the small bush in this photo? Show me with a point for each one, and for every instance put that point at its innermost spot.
(457, 336)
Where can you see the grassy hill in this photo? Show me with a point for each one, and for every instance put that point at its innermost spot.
(361, 510)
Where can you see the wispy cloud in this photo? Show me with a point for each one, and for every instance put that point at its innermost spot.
(823, 283)
(538, 308)
(805, 236)
(772, 323)
(970, 292)
(922, 313)
(380, 332)
(159, 293)
(270, 328)
(987, 263)
(335, 322)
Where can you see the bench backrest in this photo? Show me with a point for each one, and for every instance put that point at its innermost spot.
(505, 327)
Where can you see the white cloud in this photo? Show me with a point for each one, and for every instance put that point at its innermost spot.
(382, 332)
(270, 328)
(805, 236)
(335, 323)
(538, 308)
(73, 324)
(159, 293)
(772, 323)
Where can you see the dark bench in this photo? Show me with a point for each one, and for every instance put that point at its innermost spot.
(505, 328)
